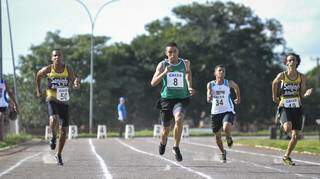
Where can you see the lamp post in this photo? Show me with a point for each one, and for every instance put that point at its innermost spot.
(92, 21)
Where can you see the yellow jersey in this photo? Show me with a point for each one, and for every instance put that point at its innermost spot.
(58, 85)
(290, 92)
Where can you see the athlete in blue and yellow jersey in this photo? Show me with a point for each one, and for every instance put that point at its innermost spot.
(222, 110)
(175, 75)
(5, 103)
(60, 78)
(292, 90)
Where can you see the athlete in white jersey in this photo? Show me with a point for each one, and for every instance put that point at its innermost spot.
(222, 111)
(5, 103)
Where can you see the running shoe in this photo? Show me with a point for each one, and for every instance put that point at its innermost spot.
(229, 141)
(176, 152)
(288, 161)
(58, 159)
(162, 148)
(223, 157)
(53, 143)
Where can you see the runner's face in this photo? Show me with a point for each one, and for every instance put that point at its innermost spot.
(291, 61)
(56, 57)
(219, 72)
(172, 53)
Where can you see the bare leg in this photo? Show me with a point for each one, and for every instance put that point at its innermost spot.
(219, 141)
(178, 126)
(62, 139)
(164, 135)
(292, 143)
(227, 128)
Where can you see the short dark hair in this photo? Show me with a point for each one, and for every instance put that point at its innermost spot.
(172, 44)
(292, 54)
(220, 65)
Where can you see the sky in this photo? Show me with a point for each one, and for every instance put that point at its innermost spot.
(123, 20)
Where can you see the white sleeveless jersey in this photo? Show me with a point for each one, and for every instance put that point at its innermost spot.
(3, 94)
(221, 98)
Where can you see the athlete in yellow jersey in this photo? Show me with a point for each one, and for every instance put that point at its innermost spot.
(292, 90)
(60, 77)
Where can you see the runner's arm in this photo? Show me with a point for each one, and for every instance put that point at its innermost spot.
(304, 91)
(158, 74)
(75, 80)
(41, 73)
(209, 93)
(12, 98)
(236, 89)
(189, 77)
(275, 82)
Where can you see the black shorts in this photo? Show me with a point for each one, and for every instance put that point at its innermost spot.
(61, 109)
(217, 120)
(3, 109)
(294, 115)
(169, 107)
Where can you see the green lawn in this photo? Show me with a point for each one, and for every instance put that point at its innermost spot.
(304, 145)
(13, 139)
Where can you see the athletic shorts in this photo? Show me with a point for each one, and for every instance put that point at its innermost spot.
(3, 109)
(60, 109)
(294, 115)
(169, 107)
(217, 120)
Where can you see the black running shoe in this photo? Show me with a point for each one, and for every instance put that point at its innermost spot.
(162, 148)
(53, 143)
(223, 157)
(58, 159)
(229, 141)
(288, 161)
(176, 152)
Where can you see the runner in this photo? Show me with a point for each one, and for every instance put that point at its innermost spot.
(4, 104)
(222, 110)
(292, 90)
(175, 74)
(60, 77)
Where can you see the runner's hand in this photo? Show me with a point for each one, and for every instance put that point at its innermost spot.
(39, 95)
(276, 99)
(167, 69)
(308, 92)
(192, 91)
(237, 101)
(76, 83)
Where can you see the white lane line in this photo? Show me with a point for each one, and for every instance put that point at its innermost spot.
(163, 158)
(252, 153)
(255, 164)
(103, 165)
(19, 163)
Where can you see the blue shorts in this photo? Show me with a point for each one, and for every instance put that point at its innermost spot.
(217, 120)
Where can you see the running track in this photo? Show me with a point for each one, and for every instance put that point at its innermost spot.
(138, 158)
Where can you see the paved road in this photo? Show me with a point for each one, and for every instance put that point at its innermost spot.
(138, 158)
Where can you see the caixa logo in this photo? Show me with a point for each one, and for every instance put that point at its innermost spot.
(175, 74)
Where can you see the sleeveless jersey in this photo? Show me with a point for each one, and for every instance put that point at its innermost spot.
(174, 84)
(221, 98)
(290, 92)
(3, 94)
(58, 85)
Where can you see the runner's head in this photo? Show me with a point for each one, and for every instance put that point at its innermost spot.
(172, 51)
(219, 71)
(292, 60)
(56, 56)
(122, 100)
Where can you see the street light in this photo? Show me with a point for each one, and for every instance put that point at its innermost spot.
(92, 21)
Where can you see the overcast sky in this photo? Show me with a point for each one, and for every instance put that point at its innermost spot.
(123, 20)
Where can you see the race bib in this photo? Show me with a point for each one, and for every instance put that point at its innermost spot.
(291, 103)
(63, 94)
(175, 80)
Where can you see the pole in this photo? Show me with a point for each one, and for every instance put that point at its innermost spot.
(14, 68)
(92, 21)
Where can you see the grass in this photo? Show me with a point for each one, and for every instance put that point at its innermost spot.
(305, 145)
(13, 139)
